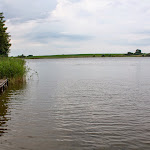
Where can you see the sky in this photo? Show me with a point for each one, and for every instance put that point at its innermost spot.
(49, 27)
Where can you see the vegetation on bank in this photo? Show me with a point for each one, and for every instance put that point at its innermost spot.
(12, 68)
(74, 56)
(83, 55)
(138, 53)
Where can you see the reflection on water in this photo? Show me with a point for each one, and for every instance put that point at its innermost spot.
(5, 105)
(4, 111)
(73, 104)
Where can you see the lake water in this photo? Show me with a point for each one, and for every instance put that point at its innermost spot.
(79, 104)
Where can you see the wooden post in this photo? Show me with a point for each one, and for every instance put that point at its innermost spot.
(3, 84)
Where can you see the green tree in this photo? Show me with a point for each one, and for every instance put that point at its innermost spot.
(4, 37)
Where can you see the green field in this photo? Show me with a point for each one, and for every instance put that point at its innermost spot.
(83, 55)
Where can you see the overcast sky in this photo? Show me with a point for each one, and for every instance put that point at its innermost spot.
(46, 27)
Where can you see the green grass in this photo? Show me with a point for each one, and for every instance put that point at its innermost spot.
(75, 56)
(81, 56)
(12, 68)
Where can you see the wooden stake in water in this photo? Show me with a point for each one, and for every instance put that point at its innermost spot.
(3, 84)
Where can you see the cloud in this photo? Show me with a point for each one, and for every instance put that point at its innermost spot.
(101, 15)
(27, 9)
(80, 26)
(45, 37)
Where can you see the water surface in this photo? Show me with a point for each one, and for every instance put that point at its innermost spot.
(79, 104)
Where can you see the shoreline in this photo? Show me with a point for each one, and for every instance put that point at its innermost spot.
(84, 56)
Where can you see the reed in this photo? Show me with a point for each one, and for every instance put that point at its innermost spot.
(12, 68)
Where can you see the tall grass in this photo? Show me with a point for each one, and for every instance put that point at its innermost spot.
(12, 68)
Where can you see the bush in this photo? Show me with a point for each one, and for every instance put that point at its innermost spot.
(147, 55)
(12, 68)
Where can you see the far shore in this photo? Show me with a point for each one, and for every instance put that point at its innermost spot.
(83, 55)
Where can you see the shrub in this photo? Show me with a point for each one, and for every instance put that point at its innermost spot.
(12, 68)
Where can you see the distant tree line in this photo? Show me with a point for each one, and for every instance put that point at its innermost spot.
(4, 37)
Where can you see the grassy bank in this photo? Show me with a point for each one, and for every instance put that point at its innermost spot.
(12, 68)
(82, 55)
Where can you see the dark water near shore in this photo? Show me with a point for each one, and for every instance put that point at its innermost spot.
(79, 104)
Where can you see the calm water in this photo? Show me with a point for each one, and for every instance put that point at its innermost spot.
(79, 104)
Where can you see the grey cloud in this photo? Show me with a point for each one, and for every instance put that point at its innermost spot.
(125, 42)
(74, 1)
(27, 9)
(142, 42)
(45, 37)
(145, 32)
